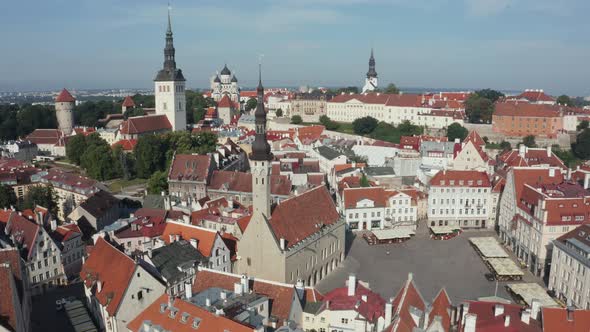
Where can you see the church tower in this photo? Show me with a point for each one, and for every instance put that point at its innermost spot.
(371, 81)
(260, 159)
(64, 111)
(170, 85)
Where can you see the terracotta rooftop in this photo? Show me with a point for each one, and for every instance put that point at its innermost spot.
(559, 319)
(452, 178)
(242, 182)
(205, 237)
(364, 301)
(65, 97)
(487, 321)
(190, 167)
(526, 110)
(145, 124)
(128, 102)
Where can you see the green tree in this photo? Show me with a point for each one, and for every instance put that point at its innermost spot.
(491, 95)
(456, 130)
(251, 104)
(506, 146)
(75, 148)
(529, 141)
(296, 119)
(98, 159)
(131, 112)
(391, 89)
(567, 156)
(565, 100)
(479, 109)
(328, 123)
(40, 195)
(407, 128)
(149, 156)
(582, 145)
(365, 125)
(7, 196)
(364, 181)
(279, 113)
(582, 125)
(158, 183)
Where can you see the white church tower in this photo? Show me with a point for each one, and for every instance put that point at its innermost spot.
(170, 85)
(260, 159)
(371, 81)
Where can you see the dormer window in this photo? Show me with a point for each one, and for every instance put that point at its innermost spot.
(196, 323)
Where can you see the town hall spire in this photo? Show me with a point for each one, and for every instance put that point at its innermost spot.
(260, 147)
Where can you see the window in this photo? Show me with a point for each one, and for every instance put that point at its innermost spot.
(344, 320)
(139, 295)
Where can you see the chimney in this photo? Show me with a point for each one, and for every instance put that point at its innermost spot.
(194, 243)
(282, 243)
(177, 236)
(238, 288)
(364, 298)
(388, 312)
(99, 286)
(223, 295)
(548, 150)
(470, 322)
(172, 238)
(188, 290)
(525, 316)
(53, 223)
(498, 310)
(535, 308)
(570, 313)
(245, 284)
(506, 321)
(328, 304)
(299, 284)
(522, 150)
(351, 284)
(207, 302)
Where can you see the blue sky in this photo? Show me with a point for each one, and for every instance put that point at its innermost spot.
(502, 44)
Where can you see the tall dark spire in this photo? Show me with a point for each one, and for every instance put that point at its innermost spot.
(371, 72)
(169, 72)
(260, 147)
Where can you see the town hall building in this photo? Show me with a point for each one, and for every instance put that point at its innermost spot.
(302, 238)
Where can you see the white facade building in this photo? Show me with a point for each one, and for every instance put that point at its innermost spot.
(461, 199)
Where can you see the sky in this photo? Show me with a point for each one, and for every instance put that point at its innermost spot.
(459, 44)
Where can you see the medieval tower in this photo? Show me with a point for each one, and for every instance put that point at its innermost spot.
(64, 111)
(371, 80)
(170, 85)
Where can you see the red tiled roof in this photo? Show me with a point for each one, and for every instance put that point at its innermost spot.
(312, 133)
(354, 195)
(531, 175)
(126, 144)
(190, 167)
(401, 100)
(128, 102)
(474, 138)
(407, 297)
(45, 136)
(441, 306)
(99, 267)
(65, 97)
(60, 177)
(526, 110)
(84, 130)
(145, 124)
(205, 237)
(535, 96)
(24, 231)
(487, 322)
(371, 309)
(243, 222)
(208, 321)
(296, 218)
(242, 182)
(65, 232)
(225, 102)
(461, 179)
(341, 167)
(556, 320)
(532, 157)
(280, 295)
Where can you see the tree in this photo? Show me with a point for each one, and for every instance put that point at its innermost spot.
(328, 123)
(279, 113)
(565, 100)
(75, 148)
(149, 156)
(582, 125)
(506, 146)
(43, 196)
(479, 109)
(364, 181)
(158, 183)
(529, 141)
(582, 145)
(567, 156)
(365, 125)
(296, 119)
(456, 130)
(7, 196)
(407, 128)
(391, 89)
(491, 95)
(251, 104)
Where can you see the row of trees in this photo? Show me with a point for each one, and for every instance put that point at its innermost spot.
(152, 154)
(20, 120)
(37, 195)
(369, 126)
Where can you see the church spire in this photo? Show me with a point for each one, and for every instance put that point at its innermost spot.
(260, 147)
(371, 72)
(169, 51)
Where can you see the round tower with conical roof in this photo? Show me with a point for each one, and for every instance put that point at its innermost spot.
(64, 111)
